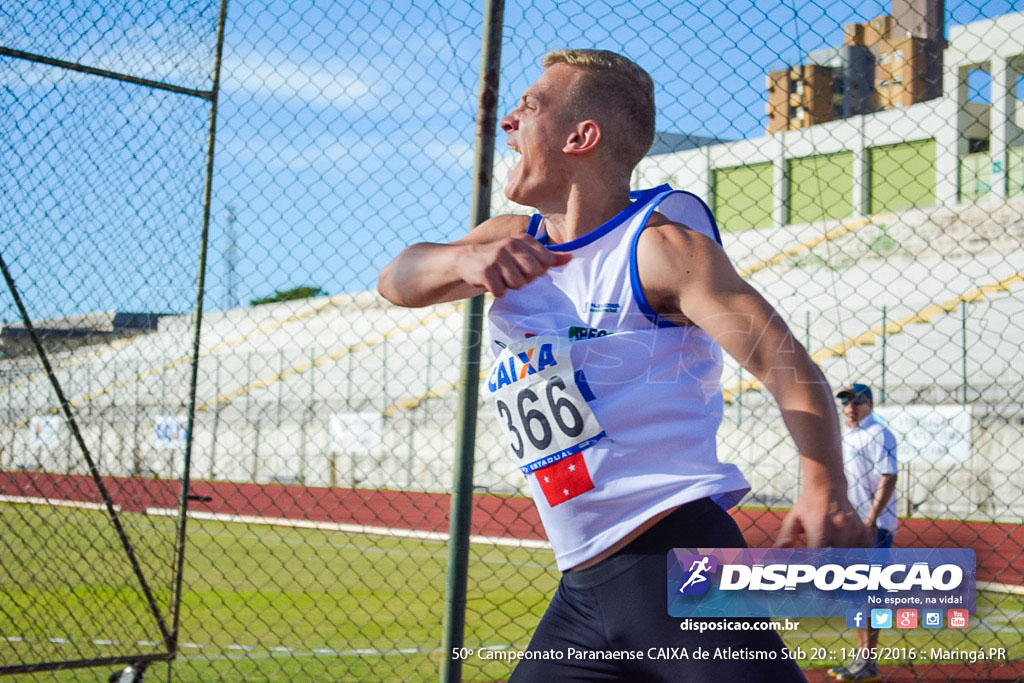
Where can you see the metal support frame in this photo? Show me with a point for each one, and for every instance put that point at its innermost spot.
(462, 493)
(169, 635)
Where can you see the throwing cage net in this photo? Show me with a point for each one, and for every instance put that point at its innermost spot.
(865, 164)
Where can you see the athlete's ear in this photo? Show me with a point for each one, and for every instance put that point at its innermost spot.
(583, 138)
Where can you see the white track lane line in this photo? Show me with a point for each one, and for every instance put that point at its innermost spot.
(351, 528)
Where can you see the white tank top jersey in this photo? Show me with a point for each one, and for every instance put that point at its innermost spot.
(610, 411)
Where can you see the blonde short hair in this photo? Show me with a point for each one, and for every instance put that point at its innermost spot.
(617, 93)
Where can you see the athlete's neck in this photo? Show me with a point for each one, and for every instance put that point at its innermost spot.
(582, 210)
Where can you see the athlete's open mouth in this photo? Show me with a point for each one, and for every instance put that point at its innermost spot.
(513, 147)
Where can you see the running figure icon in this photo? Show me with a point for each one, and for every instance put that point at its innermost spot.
(697, 570)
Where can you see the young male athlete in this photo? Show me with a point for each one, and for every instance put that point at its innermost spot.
(607, 325)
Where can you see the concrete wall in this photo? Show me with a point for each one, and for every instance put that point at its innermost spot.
(417, 454)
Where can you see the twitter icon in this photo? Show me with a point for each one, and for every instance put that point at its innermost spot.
(881, 618)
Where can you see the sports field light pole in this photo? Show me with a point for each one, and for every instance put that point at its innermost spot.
(469, 382)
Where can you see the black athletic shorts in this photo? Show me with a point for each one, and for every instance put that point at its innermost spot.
(620, 605)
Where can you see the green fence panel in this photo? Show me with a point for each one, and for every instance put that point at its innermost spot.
(902, 175)
(820, 187)
(743, 197)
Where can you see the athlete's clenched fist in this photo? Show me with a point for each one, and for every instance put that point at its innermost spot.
(494, 257)
(507, 263)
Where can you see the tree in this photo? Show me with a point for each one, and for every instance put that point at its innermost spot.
(292, 294)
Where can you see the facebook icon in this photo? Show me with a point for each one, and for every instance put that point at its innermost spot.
(856, 618)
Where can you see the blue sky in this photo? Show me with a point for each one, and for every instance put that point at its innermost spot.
(345, 129)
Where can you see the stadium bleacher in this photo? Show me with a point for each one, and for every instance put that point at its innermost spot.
(271, 377)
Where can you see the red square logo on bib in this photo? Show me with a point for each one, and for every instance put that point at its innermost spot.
(565, 479)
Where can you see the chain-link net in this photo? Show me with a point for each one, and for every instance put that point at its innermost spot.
(104, 139)
(866, 168)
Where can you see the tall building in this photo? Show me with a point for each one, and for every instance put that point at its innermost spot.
(894, 60)
(965, 146)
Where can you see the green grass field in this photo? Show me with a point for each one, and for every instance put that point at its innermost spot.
(265, 602)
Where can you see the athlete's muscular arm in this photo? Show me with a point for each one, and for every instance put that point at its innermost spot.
(687, 278)
(494, 257)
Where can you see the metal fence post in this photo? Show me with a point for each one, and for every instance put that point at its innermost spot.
(963, 342)
(216, 421)
(186, 473)
(739, 399)
(884, 340)
(462, 485)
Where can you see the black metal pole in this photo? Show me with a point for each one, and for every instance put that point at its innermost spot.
(183, 497)
(462, 490)
(103, 73)
(94, 472)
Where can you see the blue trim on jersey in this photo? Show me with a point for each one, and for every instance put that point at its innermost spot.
(535, 220)
(642, 198)
(711, 216)
(581, 384)
(637, 194)
(561, 455)
(634, 277)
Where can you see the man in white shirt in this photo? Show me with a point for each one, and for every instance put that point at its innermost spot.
(869, 458)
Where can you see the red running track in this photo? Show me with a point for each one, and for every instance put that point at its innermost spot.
(999, 547)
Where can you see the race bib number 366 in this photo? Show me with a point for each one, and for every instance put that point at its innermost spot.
(532, 387)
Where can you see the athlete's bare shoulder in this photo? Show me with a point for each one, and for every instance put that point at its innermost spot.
(496, 228)
(668, 244)
(677, 266)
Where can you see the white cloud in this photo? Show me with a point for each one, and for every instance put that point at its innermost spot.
(352, 153)
(455, 153)
(326, 84)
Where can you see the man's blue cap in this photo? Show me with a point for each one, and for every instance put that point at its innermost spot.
(855, 391)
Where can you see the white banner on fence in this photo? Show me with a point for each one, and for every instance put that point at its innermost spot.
(44, 430)
(934, 434)
(356, 432)
(170, 431)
